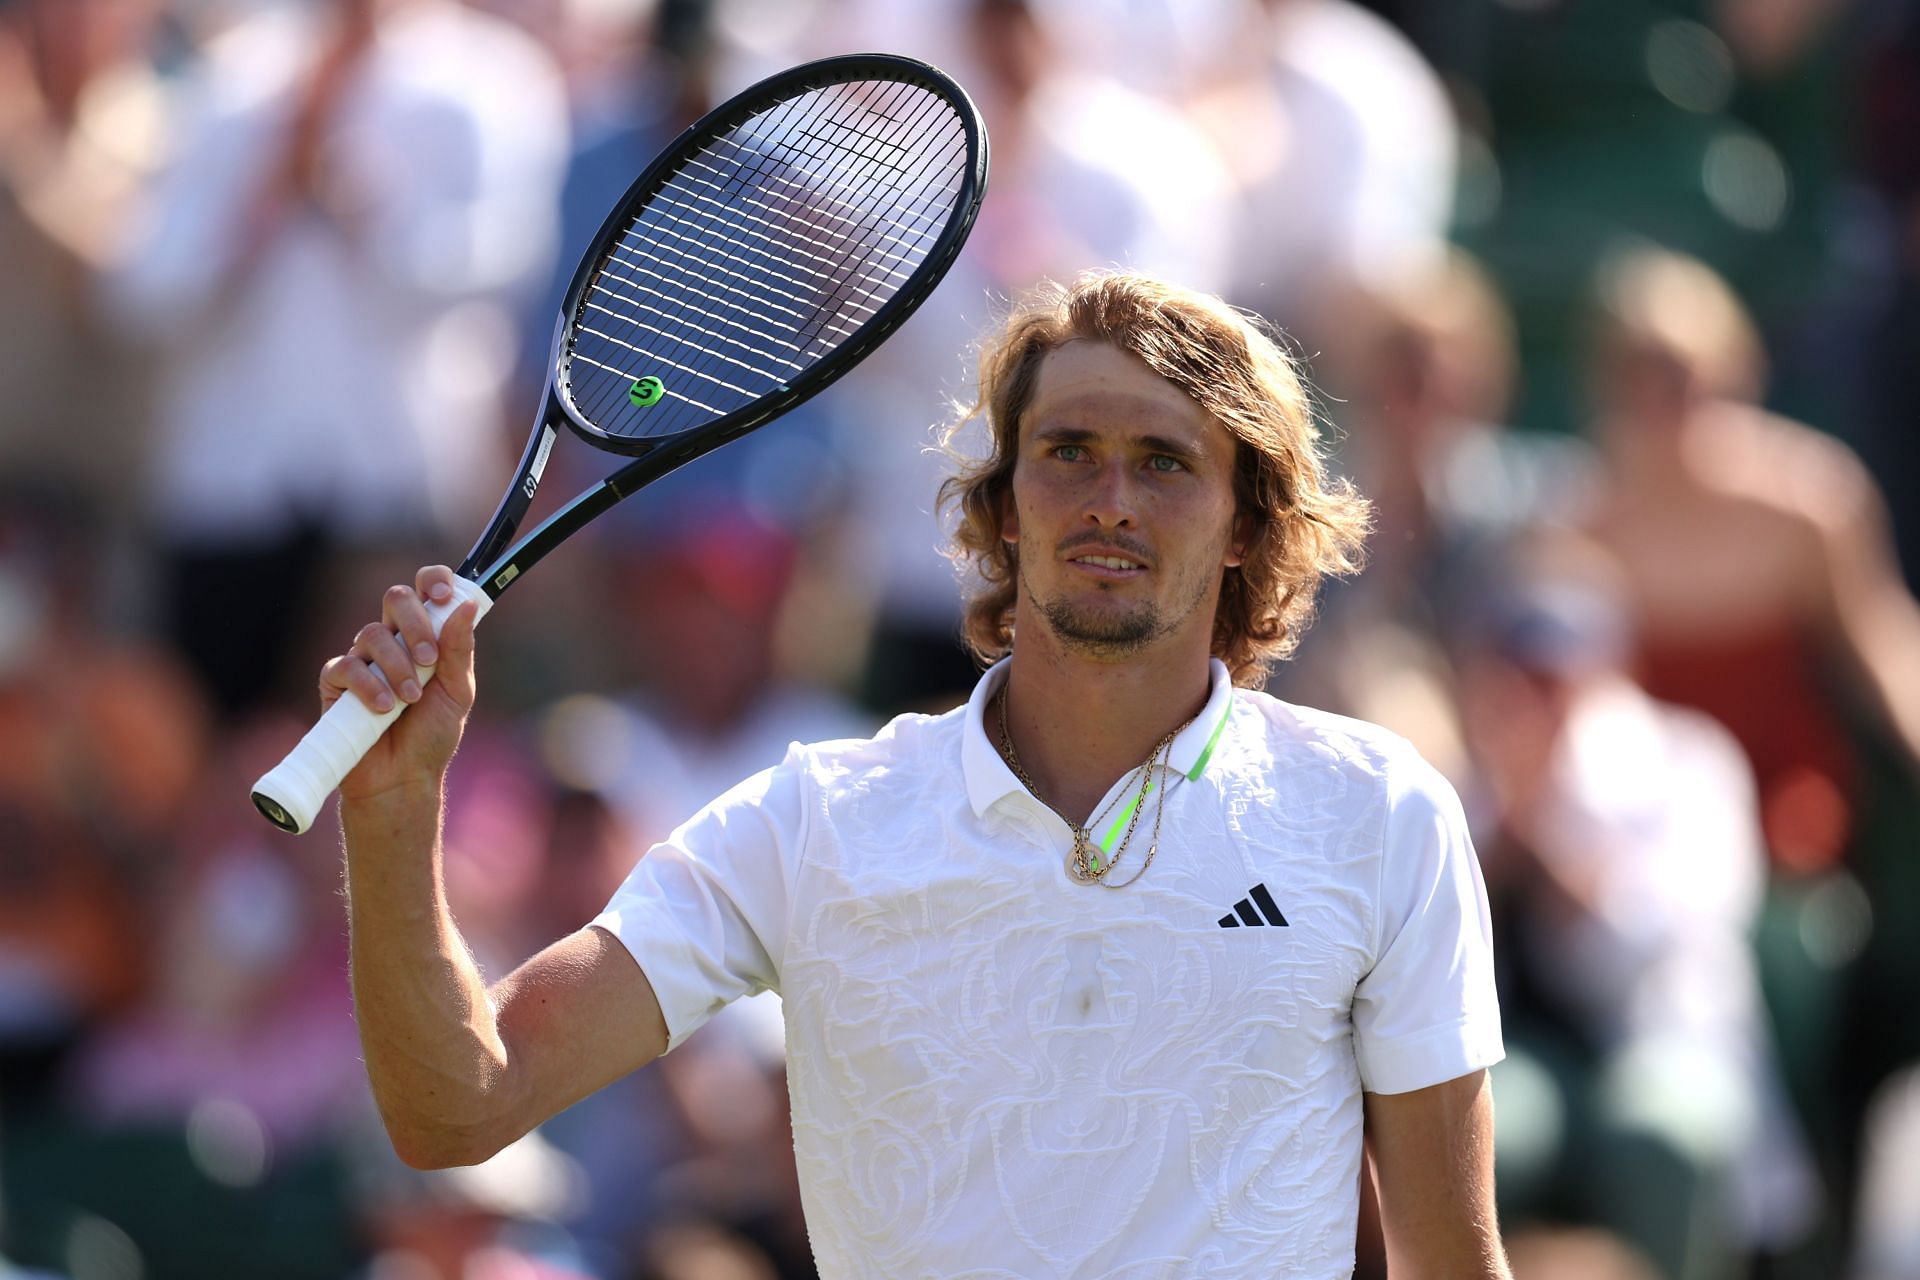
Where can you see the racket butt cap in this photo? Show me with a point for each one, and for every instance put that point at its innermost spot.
(272, 811)
(290, 797)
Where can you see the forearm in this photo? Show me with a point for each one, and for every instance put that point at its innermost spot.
(433, 1051)
(1887, 649)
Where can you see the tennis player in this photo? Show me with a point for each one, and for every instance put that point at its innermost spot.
(1114, 971)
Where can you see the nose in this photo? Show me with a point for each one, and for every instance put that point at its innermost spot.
(1110, 497)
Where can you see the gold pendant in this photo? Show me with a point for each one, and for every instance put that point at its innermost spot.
(1086, 858)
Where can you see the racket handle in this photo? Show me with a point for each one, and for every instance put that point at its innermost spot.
(291, 794)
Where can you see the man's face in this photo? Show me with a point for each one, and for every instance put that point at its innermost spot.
(1122, 505)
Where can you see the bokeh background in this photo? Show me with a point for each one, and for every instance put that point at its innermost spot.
(1613, 309)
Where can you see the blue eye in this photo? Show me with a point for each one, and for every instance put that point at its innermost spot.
(1070, 452)
(1166, 463)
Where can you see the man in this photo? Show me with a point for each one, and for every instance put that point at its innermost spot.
(1022, 1044)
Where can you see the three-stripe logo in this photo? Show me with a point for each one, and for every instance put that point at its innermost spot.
(1245, 912)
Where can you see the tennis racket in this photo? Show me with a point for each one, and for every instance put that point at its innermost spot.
(778, 241)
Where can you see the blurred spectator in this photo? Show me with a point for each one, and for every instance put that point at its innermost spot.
(83, 124)
(1622, 839)
(227, 1083)
(103, 746)
(178, 1037)
(1425, 376)
(1170, 49)
(1096, 173)
(1419, 374)
(1756, 551)
(1761, 571)
(357, 190)
(699, 599)
(1096, 163)
(1343, 143)
(492, 1221)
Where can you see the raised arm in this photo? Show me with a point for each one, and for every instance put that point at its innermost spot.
(1866, 603)
(459, 1071)
(1432, 1155)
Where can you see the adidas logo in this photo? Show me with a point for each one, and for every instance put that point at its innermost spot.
(1244, 911)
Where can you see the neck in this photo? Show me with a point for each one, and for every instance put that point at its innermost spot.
(1650, 455)
(1080, 723)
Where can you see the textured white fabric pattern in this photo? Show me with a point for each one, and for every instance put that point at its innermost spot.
(999, 1072)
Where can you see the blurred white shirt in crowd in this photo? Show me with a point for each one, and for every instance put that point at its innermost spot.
(1350, 176)
(1653, 808)
(344, 373)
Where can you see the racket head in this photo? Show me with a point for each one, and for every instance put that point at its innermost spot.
(775, 243)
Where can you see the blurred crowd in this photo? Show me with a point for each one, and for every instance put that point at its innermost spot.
(1613, 309)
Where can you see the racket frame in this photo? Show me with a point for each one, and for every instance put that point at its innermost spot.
(495, 565)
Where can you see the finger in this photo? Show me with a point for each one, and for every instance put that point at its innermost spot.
(348, 672)
(404, 611)
(455, 673)
(381, 648)
(435, 582)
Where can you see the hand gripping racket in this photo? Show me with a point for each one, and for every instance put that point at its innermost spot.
(762, 255)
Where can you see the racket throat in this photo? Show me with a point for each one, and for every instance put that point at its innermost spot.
(518, 497)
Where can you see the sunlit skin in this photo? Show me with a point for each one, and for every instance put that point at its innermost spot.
(1123, 514)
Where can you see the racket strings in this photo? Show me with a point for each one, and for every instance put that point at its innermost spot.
(688, 250)
(690, 256)
(760, 340)
(746, 221)
(769, 248)
(810, 193)
(741, 345)
(816, 181)
(813, 190)
(802, 190)
(799, 288)
(872, 268)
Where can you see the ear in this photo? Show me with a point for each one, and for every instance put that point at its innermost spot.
(1009, 515)
(1244, 527)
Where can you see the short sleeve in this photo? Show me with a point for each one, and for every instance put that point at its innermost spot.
(704, 912)
(1427, 1012)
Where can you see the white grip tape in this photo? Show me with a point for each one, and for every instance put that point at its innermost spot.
(292, 793)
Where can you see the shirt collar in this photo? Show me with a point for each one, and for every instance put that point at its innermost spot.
(989, 779)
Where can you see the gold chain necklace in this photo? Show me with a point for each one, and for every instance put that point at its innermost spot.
(1086, 863)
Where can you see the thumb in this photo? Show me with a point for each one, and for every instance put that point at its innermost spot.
(454, 674)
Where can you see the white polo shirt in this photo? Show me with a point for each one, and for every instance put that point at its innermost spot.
(997, 1071)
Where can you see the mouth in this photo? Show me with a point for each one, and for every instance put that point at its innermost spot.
(1106, 565)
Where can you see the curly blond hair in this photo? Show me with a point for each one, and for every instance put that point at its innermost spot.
(1304, 525)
